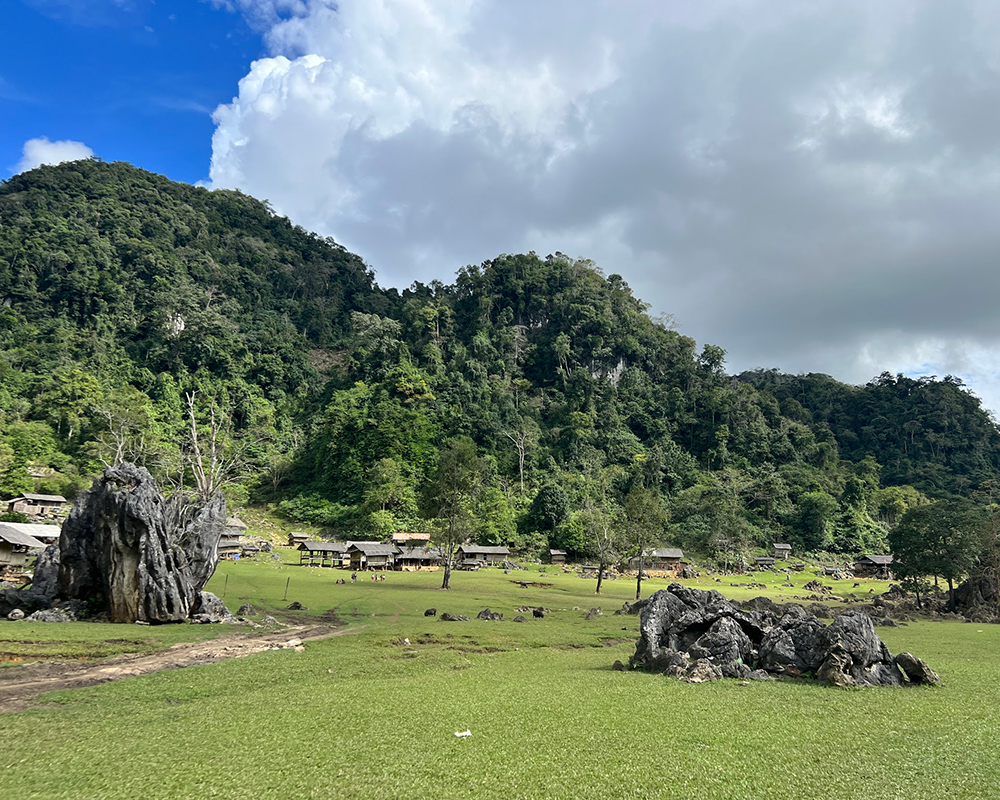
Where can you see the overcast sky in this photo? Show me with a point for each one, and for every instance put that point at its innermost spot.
(811, 185)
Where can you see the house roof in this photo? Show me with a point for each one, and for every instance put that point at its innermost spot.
(665, 552)
(419, 552)
(236, 522)
(557, 552)
(324, 547)
(51, 498)
(403, 536)
(299, 535)
(229, 541)
(42, 532)
(14, 537)
(882, 561)
(778, 546)
(764, 559)
(487, 551)
(373, 548)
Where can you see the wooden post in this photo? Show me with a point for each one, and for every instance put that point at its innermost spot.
(286, 587)
(224, 588)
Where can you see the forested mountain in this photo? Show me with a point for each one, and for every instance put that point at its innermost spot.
(125, 296)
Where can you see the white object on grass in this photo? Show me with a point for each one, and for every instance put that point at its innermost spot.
(463, 734)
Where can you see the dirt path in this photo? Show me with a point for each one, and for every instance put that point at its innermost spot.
(20, 684)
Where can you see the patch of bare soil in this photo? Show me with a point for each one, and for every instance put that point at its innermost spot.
(21, 683)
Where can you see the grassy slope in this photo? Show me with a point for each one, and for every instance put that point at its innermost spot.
(364, 715)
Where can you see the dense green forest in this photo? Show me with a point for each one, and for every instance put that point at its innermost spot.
(129, 303)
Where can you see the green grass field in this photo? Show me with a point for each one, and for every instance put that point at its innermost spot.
(367, 715)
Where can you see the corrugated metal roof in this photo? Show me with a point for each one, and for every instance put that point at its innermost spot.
(39, 531)
(667, 552)
(557, 552)
(880, 560)
(489, 551)
(778, 546)
(236, 522)
(324, 547)
(52, 498)
(14, 537)
(373, 548)
(419, 552)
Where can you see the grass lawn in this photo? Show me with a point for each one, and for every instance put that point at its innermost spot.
(367, 715)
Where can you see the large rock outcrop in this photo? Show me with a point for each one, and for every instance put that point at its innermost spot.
(700, 636)
(978, 598)
(146, 557)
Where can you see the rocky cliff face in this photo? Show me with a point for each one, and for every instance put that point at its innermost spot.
(146, 556)
(699, 636)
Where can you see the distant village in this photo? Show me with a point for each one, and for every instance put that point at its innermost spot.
(21, 542)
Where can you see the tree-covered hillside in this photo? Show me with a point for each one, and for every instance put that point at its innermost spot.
(125, 297)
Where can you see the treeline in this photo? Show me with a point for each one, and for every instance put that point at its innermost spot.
(122, 294)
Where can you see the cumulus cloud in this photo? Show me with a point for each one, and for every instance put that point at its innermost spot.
(41, 151)
(811, 185)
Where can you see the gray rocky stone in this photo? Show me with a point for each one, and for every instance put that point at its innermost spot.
(15, 615)
(446, 617)
(147, 557)
(916, 669)
(51, 615)
(700, 635)
(211, 610)
(486, 614)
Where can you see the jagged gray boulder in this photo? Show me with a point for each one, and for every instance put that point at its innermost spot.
(446, 617)
(211, 610)
(15, 615)
(701, 636)
(146, 556)
(916, 669)
(486, 614)
(51, 615)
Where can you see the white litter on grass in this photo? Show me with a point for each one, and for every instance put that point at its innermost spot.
(463, 734)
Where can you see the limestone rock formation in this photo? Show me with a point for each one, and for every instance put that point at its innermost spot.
(701, 636)
(146, 556)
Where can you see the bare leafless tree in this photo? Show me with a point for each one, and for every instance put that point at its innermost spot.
(215, 458)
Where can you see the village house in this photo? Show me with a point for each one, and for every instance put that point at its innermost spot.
(38, 506)
(873, 567)
(295, 538)
(317, 554)
(557, 556)
(46, 534)
(228, 548)
(481, 555)
(416, 558)
(782, 551)
(658, 558)
(235, 527)
(371, 555)
(16, 551)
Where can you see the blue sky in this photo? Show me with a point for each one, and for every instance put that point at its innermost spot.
(135, 81)
(812, 185)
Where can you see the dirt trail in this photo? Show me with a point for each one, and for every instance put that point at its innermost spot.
(19, 684)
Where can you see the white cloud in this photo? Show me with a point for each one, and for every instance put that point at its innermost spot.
(41, 151)
(814, 186)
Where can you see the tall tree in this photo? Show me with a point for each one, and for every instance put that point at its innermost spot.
(604, 540)
(643, 525)
(941, 539)
(451, 497)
